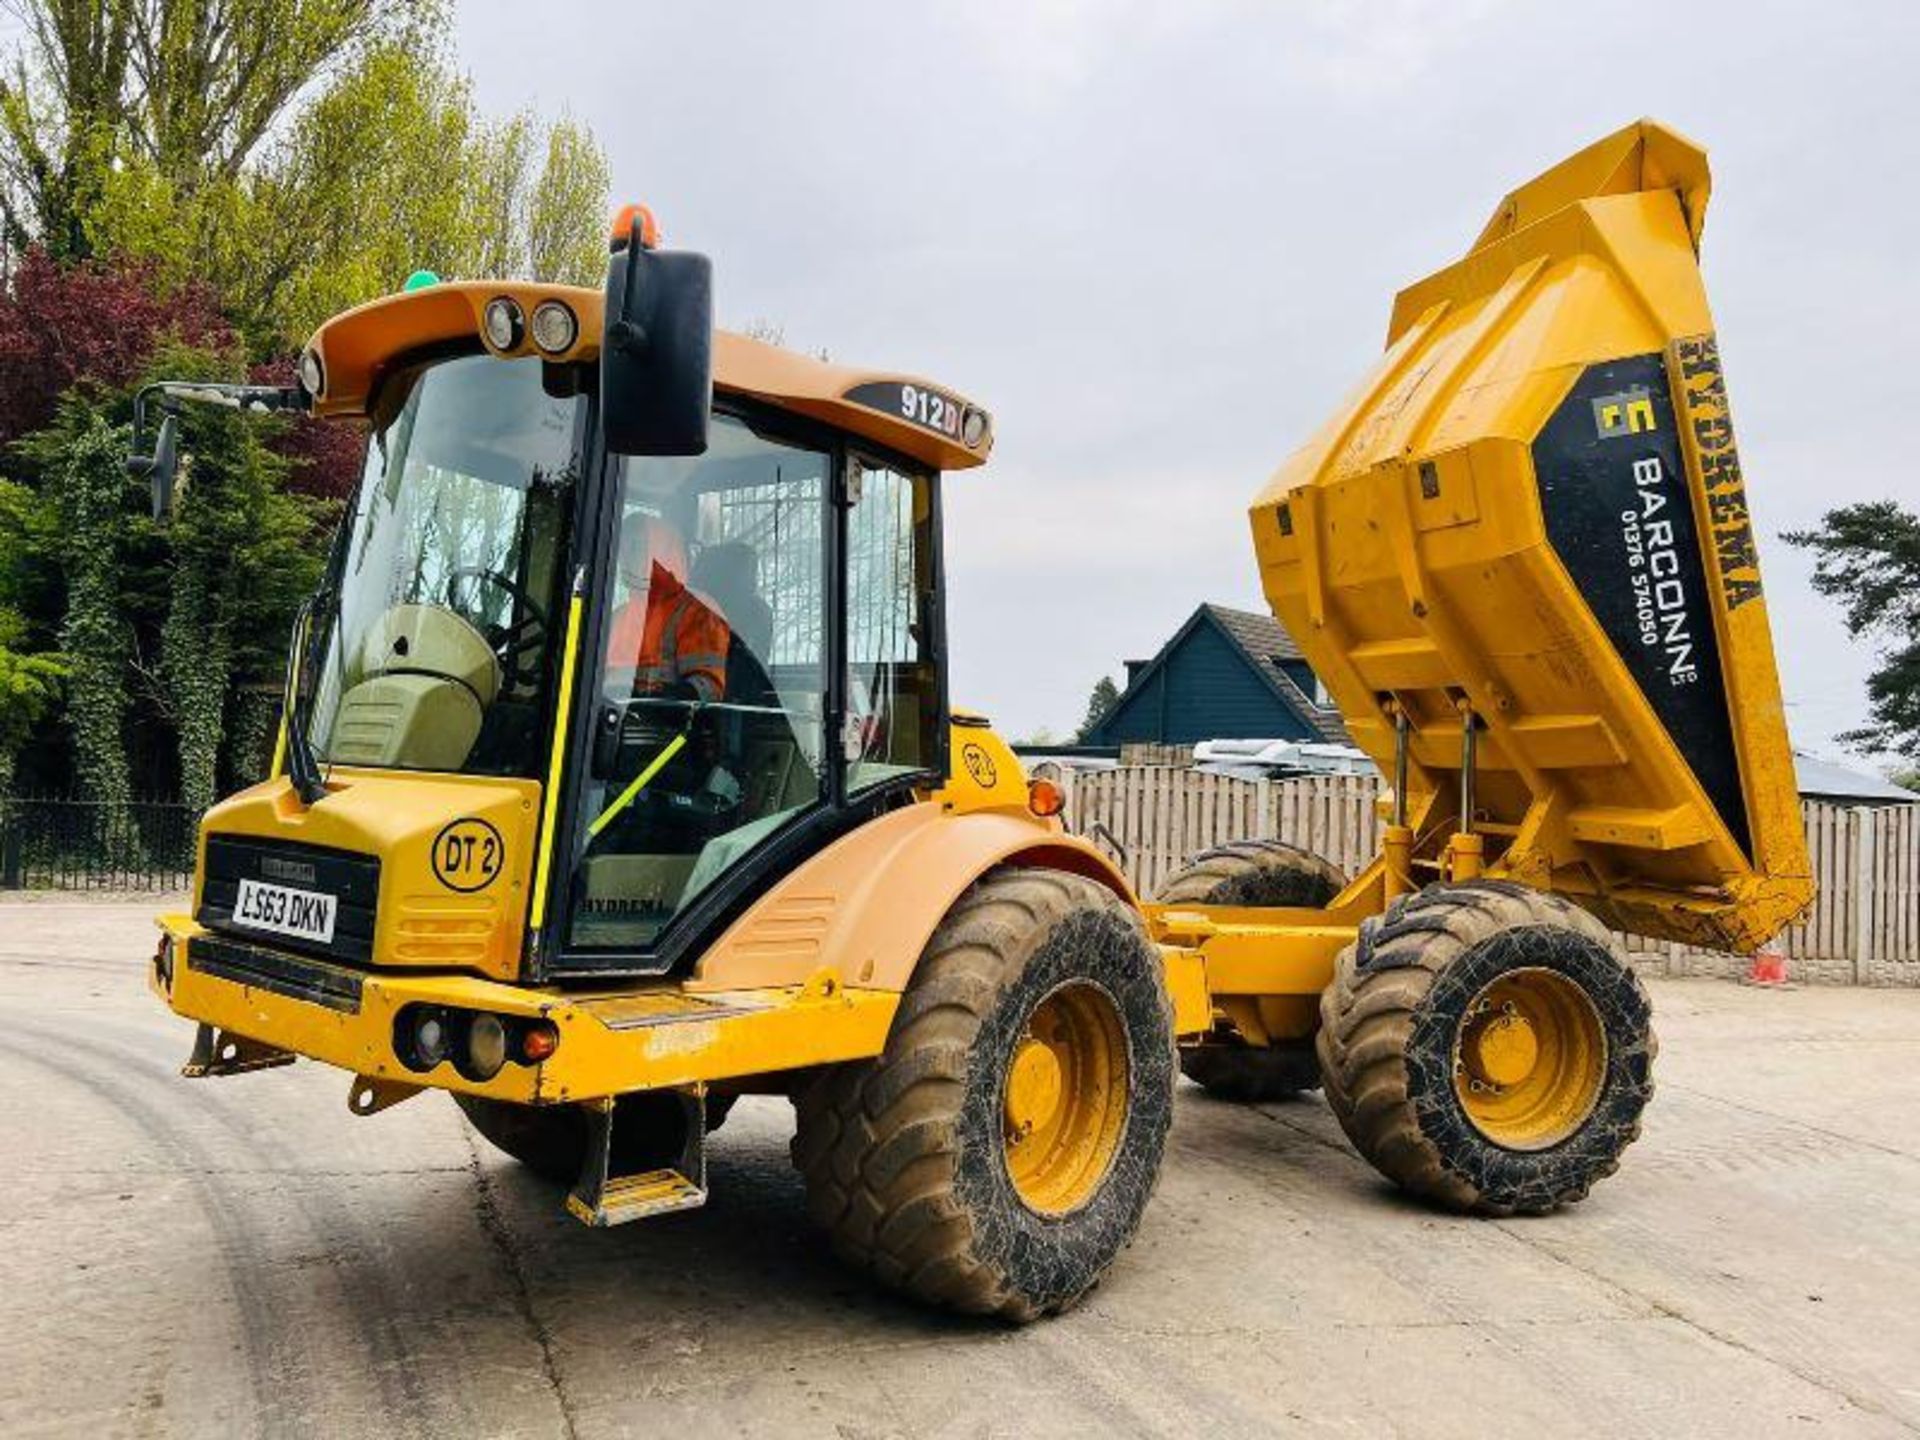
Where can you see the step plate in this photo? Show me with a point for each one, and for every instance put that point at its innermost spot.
(636, 1197)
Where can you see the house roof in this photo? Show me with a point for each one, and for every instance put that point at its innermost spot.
(1823, 780)
(1265, 642)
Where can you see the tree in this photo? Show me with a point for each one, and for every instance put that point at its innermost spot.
(1867, 556)
(29, 689)
(386, 173)
(188, 88)
(88, 320)
(1100, 704)
(300, 156)
(30, 680)
(170, 638)
(243, 551)
(191, 187)
(86, 497)
(574, 181)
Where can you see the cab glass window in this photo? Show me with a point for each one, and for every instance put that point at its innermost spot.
(710, 685)
(893, 680)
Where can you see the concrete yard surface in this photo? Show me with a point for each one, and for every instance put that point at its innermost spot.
(244, 1257)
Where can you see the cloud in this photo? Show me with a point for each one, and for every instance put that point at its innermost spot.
(1160, 241)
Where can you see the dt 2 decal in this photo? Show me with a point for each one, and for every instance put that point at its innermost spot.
(980, 766)
(467, 855)
(1618, 507)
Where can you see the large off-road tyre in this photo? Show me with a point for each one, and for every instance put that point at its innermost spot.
(998, 1154)
(1257, 873)
(551, 1140)
(1486, 1046)
(1253, 872)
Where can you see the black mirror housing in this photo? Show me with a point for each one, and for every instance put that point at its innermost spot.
(162, 467)
(656, 353)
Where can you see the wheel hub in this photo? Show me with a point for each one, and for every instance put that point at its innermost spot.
(1504, 1050)
(1033, 1089)
(1530, 1059)
(1064, 1100)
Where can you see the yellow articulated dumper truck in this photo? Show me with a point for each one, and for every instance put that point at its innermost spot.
(619, 777)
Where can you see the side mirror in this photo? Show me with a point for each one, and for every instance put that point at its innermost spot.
(162, 467)
(656, 355)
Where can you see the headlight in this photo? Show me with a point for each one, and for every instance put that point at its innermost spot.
(486, 1047)
(973, 429)
(504, 323)
(554, 328)
(313, 376)
(427, 1038)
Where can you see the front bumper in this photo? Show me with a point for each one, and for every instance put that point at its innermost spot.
(641, 1036)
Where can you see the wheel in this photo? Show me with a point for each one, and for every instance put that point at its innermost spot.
(1486, 1046)
(1253, 872)
(998, 1154)
(551, 1140)
(1256, 873)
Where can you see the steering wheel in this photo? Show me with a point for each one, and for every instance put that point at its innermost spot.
(519, 644)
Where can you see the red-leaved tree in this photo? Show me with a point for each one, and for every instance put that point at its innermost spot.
(98, 321)
(324, 456)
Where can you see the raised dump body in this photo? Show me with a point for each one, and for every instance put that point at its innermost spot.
(1532, 513)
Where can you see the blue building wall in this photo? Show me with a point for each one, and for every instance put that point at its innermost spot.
(1205, 690)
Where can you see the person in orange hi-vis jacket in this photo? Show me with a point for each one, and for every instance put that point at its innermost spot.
(669, 639)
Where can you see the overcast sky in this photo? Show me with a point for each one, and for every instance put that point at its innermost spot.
(1159, 241)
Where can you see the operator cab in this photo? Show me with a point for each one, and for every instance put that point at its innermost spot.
(697, 660)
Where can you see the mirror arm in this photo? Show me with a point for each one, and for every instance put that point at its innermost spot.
(626, 333)
(256, 399)
(142, 462)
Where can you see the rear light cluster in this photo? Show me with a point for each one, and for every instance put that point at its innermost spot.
(479, 1043)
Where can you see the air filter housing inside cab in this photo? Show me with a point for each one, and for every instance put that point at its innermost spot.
(1533, 509)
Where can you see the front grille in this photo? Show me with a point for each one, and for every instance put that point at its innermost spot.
(291, 975)
(353, 879)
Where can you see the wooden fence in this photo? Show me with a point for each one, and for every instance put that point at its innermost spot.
(1864, 927)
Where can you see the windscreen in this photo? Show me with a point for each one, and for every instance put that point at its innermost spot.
(438, 631)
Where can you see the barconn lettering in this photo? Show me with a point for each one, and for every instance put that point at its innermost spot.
(1653, 555)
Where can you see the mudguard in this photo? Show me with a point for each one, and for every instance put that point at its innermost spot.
(867, 904)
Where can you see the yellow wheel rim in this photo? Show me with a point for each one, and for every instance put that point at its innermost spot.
(1529, 1059)
(1064, 1106)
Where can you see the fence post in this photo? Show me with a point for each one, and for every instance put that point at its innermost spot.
(1864, 877)
(11, 869)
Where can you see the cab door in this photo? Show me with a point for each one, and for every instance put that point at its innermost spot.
(706, 686)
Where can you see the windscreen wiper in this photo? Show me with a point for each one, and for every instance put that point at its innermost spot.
(303, 768)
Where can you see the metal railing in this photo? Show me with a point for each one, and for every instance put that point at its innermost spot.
(64, 843)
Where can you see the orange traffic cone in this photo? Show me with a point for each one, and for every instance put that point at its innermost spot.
(1767, 969)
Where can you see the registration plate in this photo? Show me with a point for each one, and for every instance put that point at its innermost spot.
(303, 914)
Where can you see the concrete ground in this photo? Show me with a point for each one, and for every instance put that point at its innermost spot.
(244, 1257)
